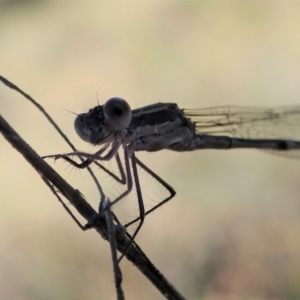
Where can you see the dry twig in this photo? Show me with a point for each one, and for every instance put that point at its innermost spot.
(59, 185)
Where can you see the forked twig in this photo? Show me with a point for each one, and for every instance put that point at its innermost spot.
(52, 178)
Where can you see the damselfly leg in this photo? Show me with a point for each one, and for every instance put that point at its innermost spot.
(131, 161)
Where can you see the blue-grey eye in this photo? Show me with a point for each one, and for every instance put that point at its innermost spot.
(117, 113)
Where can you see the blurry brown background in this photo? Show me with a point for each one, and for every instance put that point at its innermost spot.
(233, 230)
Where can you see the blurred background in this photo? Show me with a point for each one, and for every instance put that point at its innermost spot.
(233, 229)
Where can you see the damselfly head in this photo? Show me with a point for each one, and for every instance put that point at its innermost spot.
(117, 113)
(90, 126)
(103, 121)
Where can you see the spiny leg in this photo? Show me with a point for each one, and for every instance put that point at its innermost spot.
(122, 178)
(162, 182)
(87, 162)
(68, 209)
(92, 158)
(91, 223)
(113, 152)
(140, 202)
(127, 155)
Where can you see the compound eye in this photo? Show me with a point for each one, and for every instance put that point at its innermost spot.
(117, 113)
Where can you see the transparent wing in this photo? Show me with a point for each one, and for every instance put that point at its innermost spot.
(282, 123)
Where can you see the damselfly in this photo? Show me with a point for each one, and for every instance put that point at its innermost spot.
(161, 126)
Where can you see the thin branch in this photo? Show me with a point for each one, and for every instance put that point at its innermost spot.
(113, 247)
(134, 254)
(53, 123)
